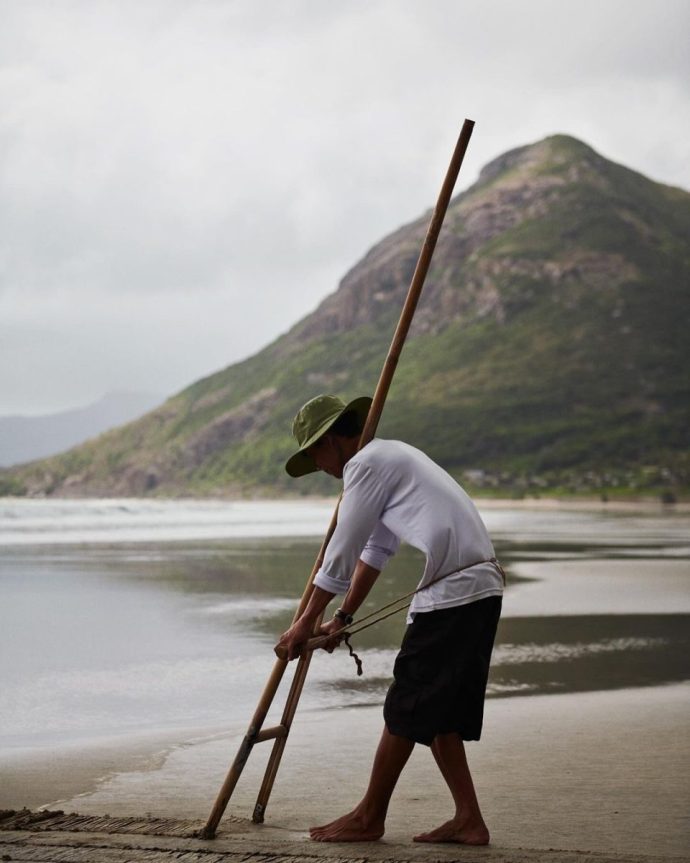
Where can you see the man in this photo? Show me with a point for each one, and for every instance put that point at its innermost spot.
(392, 492)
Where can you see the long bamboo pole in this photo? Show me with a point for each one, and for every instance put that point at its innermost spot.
(254, 733)
(416, 284)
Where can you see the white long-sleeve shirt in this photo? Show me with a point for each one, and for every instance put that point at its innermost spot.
(394, 493)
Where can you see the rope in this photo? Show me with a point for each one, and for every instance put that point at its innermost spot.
(357, 625)
(358, 661)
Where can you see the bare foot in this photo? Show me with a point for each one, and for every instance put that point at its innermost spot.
(457, 831)
(353, 827)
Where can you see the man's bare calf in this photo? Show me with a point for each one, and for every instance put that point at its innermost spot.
(366, 822)
(467, 826)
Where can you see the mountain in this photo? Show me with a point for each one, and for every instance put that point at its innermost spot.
(550, 351)
(23, 438)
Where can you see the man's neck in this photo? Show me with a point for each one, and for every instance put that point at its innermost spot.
(347, 447)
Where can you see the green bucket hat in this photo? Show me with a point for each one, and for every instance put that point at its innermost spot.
(313, 420)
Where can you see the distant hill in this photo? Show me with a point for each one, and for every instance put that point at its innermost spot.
(24, 438)
(550, 351)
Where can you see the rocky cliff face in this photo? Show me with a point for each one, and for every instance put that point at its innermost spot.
(520, 188)
(550, 342)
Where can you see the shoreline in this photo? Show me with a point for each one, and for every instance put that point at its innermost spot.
(576, 503)
(33, 523)
(599, 772)
(35, 777)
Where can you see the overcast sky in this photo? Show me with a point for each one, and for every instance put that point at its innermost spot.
(181, 181)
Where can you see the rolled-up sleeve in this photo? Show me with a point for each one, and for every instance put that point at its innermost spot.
(364, 499)
(380, 547)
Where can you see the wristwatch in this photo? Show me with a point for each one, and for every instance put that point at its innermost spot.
(343, 617)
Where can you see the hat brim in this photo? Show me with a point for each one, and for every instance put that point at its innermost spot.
(300, 464)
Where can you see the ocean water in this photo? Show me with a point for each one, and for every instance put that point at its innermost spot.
(121, 618)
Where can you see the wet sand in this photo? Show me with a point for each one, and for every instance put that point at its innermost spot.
(602, 772)
(144, 841)
(597, 775)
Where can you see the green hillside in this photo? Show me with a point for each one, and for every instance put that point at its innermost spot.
(550, 352)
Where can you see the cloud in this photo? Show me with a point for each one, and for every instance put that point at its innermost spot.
(202, 174)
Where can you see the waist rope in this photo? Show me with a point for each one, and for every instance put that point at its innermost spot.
(356, 626)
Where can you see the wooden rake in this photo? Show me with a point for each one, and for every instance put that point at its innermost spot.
(256, 733)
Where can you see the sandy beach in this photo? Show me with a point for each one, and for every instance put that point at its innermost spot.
(603, 773)
(131, 666)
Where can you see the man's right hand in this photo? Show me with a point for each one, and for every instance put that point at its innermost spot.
(330, 628)
(292, 640)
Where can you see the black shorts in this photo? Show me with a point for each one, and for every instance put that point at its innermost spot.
(441, 671)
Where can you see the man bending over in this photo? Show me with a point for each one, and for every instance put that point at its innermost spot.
(394, 493)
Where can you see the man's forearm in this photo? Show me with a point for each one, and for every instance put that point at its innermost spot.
(362, 581)
(318, 601)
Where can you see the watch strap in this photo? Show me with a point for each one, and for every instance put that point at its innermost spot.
(343, 617)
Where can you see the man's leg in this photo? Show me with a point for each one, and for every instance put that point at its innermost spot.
(467, 825)
(367, 820)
